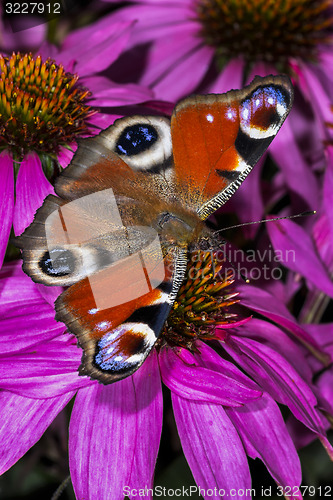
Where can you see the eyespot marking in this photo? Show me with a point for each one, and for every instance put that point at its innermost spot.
(122, 348)
(143, 142)
(58, 262)
(136, 139)
(262, 112)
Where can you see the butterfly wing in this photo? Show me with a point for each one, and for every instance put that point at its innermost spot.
(133, 157)
(85, 229)
(217, 139)
(116, 339)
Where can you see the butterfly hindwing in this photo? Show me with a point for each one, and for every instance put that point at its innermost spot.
(116, 339)
(217, 139)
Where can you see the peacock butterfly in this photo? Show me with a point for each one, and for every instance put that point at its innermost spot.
(131, 204)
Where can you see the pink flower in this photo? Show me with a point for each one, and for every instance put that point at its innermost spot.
(307, 251)
(63, 101)
(224, 410)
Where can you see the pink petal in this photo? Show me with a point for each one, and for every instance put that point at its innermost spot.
(301, 435)
(221, 383)
(26, 319)
(325, 391)
(102, 440)
(103, 120)
(247, 202)
(65, 155)
(160, 107)
(328, 192)
(6, 200)
(50, 293)
(275, 338)
(210, 359)
(287, 154)
(22, 423)
(266, 304)
(326, 63)
(219, 329)
(47, 371)
(278, 377)
(107, 40)
(323, 334)
(107, 93)
(296, 251)
(183, 76)
(157, 22)
(169, 49)
(265, 436)
(47, 49)
(9, 285)
(230, 78)
(212, 448)
(261, 69)
(148, 393)
(12, 269)
(323, 239)
(24, 36)
(321, 102)
(31, 189)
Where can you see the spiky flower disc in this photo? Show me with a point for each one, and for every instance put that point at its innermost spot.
(266, 30)
(202, 301)
(41, 105)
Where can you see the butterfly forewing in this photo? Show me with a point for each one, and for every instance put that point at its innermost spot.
(217, 139)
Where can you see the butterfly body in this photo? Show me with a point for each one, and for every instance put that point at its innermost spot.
(131, 204)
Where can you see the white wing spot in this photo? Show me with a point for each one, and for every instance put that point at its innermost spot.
(93, 311)
(103, 325)
(245, 114)
(281, 109)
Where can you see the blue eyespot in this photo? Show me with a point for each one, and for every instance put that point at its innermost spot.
(136, 139)
(58, 262)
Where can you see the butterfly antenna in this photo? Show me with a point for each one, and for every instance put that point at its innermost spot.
(303, 214)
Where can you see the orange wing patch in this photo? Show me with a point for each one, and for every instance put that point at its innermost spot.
(217, 139)
(203, 132)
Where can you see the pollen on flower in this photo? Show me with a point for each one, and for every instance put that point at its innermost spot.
(266, 30)
(41, 105)
(202, 301)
